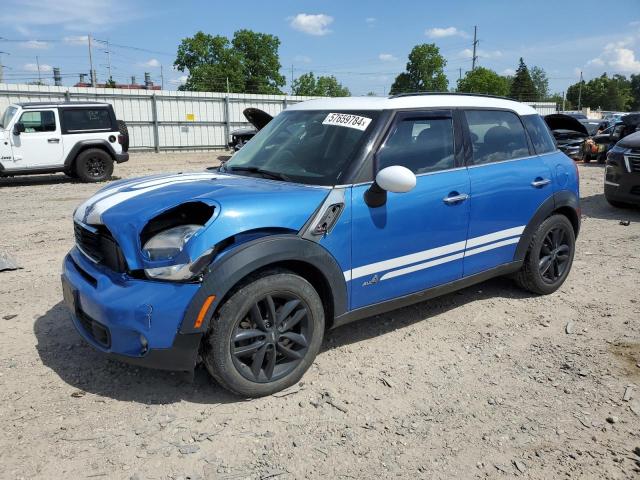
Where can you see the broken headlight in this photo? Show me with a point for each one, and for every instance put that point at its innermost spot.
(167, 245)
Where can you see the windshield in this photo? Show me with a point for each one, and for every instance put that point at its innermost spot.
(7, 116)
(304, 146)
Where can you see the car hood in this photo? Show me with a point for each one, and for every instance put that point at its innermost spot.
(559, 121)
(240, 204)
(630, 141)
(256, 117)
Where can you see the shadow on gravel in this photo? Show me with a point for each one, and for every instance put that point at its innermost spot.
(79, 365)
(35, 180)
(367, 328)
(596, 206)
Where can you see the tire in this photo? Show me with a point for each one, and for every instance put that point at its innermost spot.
(71, 172)
(546, 278)
(586, 158)
(124, 131)
(93, 165)
(616, 203)
(237, 324)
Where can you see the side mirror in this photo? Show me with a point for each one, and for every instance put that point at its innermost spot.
(18, 128)
(396, 179)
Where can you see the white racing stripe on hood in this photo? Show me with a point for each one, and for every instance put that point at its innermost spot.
(91, 211)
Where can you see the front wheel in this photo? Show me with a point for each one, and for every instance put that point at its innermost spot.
(550, 256)
(266, 335)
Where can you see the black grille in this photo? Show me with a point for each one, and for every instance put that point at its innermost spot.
(634, 162)
(94, 329)
(98, 244)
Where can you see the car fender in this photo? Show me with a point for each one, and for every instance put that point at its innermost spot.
(223, 274)
(560, 200)
(83, 144)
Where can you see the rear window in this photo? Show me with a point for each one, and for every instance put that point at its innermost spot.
(539, 133)
(496, 136)
(86, 119)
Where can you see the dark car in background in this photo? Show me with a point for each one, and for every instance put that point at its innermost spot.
(605, 140)
(622, 172)
(256, 117)
(569, 132)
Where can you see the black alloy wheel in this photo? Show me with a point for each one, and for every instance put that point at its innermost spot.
(271, 340)
(96, 166)
(554, 254)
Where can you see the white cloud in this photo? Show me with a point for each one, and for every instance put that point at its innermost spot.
(468, 53)
(437, 32)
(311, 24)
(387, 57)
(70, 14)
(153, 63)
(617, 56)
(76, 40)
(371, 21)
(302, 59)
(33, 67)
(35, 45)
(508, 72)
(181, 80)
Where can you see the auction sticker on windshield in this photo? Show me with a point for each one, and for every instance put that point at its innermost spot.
(347, 120)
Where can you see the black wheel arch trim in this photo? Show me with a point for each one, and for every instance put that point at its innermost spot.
(223, 275)
(562, 200)
(84, 144)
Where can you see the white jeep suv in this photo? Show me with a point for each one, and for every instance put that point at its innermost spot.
(80, 139)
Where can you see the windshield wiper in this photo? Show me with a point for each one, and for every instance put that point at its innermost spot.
(260, 171)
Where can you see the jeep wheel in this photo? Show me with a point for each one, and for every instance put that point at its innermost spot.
(266, 335)
(124, 131)
(550, 256)
(94, 165)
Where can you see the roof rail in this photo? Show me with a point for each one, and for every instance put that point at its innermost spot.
(417, 94)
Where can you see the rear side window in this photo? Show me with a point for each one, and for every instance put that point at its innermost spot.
(421, 144)
(86, 119)
(539, 133)
(496, 136)
(33, 121)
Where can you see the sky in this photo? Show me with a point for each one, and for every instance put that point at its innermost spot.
(363, 43)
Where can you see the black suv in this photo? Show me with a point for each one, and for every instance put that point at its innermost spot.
(622, 174)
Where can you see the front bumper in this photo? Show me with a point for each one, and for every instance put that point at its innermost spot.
(621, 185)
(136, 321)
(122, 157)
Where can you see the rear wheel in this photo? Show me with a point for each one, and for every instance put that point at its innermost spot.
(93, 165)
(266, 335)
(550, 256)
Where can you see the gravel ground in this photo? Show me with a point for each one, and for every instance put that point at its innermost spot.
(486, 382)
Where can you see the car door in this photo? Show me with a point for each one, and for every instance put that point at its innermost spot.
(416, 239)
(40, 144)
(508, 184)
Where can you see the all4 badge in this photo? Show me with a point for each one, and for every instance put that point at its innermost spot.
(372, 281)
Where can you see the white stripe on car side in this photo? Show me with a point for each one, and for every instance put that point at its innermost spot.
(449, 253)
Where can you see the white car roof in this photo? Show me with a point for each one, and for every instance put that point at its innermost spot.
(414, 101)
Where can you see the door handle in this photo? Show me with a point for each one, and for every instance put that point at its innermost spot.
(53, 140)
(540, 182)
(455, 198)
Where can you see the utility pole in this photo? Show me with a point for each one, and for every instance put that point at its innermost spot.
(109, 59)
(564, 98)
(475, 45)
(460, 74)
(2, 66)
(292, 79)
(227, 85)
(92, 72)
(161, 79)
(38, 65)
(580, 93)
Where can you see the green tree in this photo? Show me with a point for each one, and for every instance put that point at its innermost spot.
(522, 87)
(424, 71)
(247, 64)
(483, 80)
(111, 83)
(603, 92)
(540, 82)
(327, 86)
(634, 85)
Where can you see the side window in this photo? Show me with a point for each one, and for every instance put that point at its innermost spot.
(86, 119)
(539, 133)
(421, 144)
(496, 136)
(44, 121)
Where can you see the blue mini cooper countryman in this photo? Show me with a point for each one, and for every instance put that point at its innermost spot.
(337, 210)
